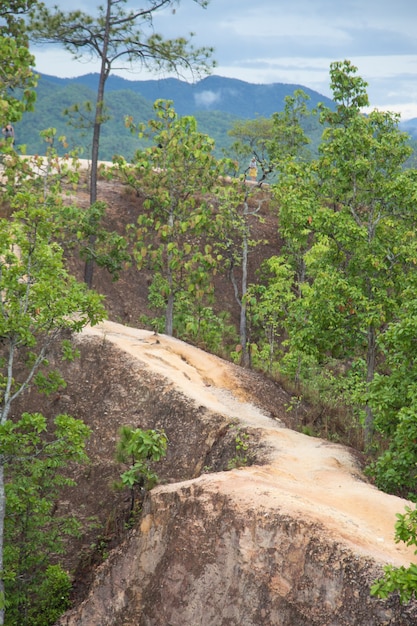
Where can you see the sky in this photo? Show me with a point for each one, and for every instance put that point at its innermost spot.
(285, 41)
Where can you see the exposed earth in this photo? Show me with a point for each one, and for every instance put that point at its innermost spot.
(295, 537)
(129, 375)
(314, 478)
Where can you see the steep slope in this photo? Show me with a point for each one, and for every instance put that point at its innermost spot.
(294, 539)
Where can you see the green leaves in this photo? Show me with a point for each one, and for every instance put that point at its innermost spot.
(83, 34)
(346, 219)
(349, 92)
(139, 448)
(106, 248)
(34, 462)
(177, 176)
(402, 580)
(38, 300)
(22, 440)
(38, 296)
(18, 80)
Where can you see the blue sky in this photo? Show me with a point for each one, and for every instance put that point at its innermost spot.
(281, 41)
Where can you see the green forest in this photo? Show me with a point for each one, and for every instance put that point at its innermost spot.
(68, 108)
(332, 315)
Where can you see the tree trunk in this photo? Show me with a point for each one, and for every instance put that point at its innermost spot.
(4, 414)
(169, 311)
(245, 361)
(370, 371)
(169, 315)
(104, 74)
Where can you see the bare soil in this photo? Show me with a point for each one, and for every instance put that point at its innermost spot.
(316, 479)
(110, 386)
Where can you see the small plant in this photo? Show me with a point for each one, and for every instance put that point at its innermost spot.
(307, 430)
(400, 579)
(137, 449)
(199, 325)
(240, 458)
(54, 597)
(293, 404)
(100, 547)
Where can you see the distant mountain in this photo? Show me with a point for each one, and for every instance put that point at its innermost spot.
(214, 93)
(216, 102)
(410, 127)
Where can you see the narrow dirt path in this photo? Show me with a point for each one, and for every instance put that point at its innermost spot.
(315, 479)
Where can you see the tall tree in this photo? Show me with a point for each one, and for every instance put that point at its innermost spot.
(271, 141)
(251, 140)
(354, 219)
(12, 23)
(117, 37)
(393, 397)
(39, 299)
(36, 530)
(175, 177)
(239, 210)
(288, 137)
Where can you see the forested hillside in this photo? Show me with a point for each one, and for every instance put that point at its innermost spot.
(217, 103)
(214, 93)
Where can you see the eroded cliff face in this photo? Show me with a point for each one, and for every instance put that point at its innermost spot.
(199, 557)
(295, 539)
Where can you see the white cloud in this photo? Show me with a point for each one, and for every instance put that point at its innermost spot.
(56, 62)
(207, 98)
(277, 41)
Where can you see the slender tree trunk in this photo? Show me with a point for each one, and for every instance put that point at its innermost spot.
(371, 347)
(98, 120)
(243, 307)
(240, 296)
(169, 315)
(4, 414)
(169, 311)
(370, 372)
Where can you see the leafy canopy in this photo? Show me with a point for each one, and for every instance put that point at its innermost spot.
(17, 81)
(176, 176)
(128, 42)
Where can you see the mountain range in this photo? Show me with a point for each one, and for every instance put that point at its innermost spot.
(216, 102)
(214, 93)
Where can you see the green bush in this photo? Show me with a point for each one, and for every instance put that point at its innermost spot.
(401, 580)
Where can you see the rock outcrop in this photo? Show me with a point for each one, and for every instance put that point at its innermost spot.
(295, 539)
